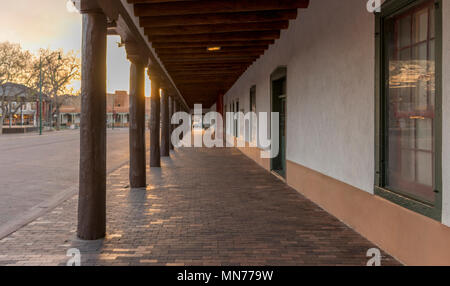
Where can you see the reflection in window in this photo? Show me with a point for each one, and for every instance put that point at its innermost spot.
(411, 102)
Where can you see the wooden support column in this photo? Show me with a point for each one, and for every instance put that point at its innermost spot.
(92, 184)
(155, 156)
(137, 118)
(171, 112)
(165, 133)
(180, 109)
(175, 110)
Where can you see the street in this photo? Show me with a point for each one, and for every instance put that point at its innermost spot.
(38, 171)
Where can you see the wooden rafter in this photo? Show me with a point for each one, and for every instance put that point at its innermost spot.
(218, 18)
(183, 32)
(147, 8)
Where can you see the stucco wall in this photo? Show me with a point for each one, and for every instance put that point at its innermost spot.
(329, 54)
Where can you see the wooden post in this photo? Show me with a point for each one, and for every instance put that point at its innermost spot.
(165, 133)
(171, 112)
(92, 184)
(137, 122)
(180, 109)
(155, 156)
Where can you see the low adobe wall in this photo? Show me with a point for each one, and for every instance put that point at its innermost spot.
(19, 130)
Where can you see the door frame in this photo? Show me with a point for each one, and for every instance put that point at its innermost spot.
(279, 73)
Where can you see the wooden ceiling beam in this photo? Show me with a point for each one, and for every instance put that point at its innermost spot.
(199, 87)
(154, 1)
(181, 30)
(199, 95)
(211, 55)
(209, 85)
(200, 50)
(224, 78)
(241, 60)
(204, 76)
(210, 71)
(219, 28)
(205, 79)
(219, 37)
(206, 85)
(201, 68)
(193, 94)
(201, 72)
(207, 98)
(217, 18)
(188, 44)
(204, 65)
(209, 80)
(147, 8)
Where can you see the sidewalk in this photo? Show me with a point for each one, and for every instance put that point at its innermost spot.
(39, 172)
(203, 207)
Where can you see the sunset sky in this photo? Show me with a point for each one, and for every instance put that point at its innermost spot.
(50, 24)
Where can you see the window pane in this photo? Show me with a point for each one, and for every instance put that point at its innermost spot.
(410, 104)
(432, 23)
(404, 28)
(421, 25)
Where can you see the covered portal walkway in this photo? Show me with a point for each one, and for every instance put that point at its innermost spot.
(203, 207)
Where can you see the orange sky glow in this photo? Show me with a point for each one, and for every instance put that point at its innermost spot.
(53, 24)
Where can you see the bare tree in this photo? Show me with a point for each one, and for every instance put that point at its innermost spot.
(15, 76)
(58, 72)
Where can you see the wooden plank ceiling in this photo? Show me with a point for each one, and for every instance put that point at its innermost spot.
(206, 45)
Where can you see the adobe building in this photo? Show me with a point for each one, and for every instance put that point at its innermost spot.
(26, 103)
(70, 111)
(363, 98)
(117, 109)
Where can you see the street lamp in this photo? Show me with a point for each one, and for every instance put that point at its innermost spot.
(40, 94)
(57, 115)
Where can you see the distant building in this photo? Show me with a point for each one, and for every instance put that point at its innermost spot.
(117, 110)
(28, 113)
(117, 107)
(70, 111)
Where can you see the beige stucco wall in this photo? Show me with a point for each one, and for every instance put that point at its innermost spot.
(329, 54)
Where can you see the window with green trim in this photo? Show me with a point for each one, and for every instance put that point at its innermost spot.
(409, 124)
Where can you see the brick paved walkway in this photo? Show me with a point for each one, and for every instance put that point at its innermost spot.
(204, 207)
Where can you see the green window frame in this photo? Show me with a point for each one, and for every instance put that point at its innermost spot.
(433, 210)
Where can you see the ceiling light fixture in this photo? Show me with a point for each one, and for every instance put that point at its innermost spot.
(213, 49)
